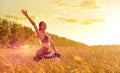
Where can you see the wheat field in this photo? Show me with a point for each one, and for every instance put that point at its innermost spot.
(81, 59)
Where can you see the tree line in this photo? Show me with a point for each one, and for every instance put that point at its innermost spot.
(14, 34)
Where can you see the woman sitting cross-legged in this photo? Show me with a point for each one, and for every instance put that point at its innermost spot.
(44, 38)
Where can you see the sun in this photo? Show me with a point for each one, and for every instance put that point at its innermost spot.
(105, 33)
(112, 29)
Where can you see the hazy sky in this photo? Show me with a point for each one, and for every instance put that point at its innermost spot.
(89, 21)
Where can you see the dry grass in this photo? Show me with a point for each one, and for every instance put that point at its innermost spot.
(83, 59)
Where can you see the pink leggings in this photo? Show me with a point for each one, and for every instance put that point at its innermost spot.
(41, 52)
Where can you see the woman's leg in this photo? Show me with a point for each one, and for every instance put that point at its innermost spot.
(40, 53)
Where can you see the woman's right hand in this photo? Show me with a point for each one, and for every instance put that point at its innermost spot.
(24, 12)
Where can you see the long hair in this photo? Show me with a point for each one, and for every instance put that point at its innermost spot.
(40, 24)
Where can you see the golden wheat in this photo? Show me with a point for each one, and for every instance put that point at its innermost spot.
(83, 59)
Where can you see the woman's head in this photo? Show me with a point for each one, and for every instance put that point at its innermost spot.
(42, 25)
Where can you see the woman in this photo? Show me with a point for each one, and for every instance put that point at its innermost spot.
(45, 39)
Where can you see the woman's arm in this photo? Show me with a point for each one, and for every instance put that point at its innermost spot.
(52, 44)
(39, 34)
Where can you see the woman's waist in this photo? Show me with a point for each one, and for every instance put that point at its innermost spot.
(46, 45)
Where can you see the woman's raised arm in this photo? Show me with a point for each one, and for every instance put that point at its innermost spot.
(39, 34)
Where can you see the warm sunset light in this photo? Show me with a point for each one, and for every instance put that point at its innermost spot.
(73, 36)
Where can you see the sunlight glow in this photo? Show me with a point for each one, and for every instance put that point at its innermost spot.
(110, 34)
(93, 22)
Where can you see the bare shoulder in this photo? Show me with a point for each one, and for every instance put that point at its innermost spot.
(48, 34)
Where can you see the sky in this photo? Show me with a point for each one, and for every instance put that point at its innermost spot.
(93, 22)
